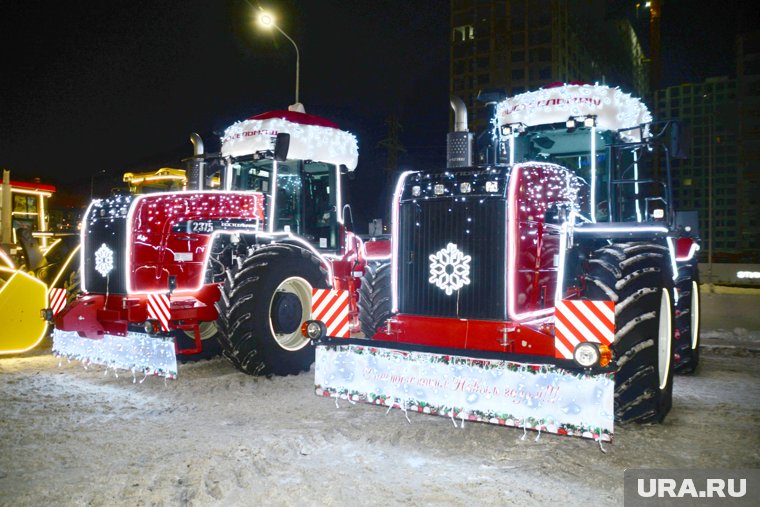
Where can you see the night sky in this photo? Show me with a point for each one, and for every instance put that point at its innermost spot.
(118, 86)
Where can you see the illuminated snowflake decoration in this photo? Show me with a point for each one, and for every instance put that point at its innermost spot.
(450, 269)
(103, 260)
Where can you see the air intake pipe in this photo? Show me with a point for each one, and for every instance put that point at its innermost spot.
(459, 142)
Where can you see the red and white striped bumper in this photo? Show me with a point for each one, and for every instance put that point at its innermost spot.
(159, 308)
(578, 321)
(331, 307)
(57, 299)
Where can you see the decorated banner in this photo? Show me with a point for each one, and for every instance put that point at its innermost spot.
(533, 396)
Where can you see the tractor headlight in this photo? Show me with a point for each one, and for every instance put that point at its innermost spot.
(492, 186)
(465, 187)
(439, 189)
(314, 329)
(586, 354)
(416, 190)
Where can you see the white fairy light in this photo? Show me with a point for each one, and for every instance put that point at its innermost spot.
(613, 108)
(307, 142)
(104, 260)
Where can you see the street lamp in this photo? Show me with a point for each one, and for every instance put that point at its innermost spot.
(267, 21)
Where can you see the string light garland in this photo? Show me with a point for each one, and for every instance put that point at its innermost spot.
(307, 142)
(613, 109)
(137, 352)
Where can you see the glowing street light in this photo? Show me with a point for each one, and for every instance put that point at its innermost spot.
(267, 21)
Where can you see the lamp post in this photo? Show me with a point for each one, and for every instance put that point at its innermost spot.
(267, 21)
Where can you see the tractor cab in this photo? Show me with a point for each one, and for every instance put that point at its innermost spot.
(297, 161)
(604, 136)
(303, 195)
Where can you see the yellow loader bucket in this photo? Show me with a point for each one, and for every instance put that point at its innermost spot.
(21, 298)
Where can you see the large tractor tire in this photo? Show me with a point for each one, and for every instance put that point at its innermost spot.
(264, 301)
(636, 276)
(209, 342)
(375, 297)
(686, 348)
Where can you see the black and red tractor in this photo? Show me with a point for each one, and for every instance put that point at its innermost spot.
(540, 288)
(234, 262)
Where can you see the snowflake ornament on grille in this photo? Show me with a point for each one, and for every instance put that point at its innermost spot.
(450, 269)
(103, 260)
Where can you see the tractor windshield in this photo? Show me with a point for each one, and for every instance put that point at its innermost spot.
(251, 175)
(304, 197)
(626, 179)
(306, 201)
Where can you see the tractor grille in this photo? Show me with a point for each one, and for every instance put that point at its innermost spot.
(477, 228)
(105, 246)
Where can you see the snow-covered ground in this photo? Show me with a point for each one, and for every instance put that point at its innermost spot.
(71, 436)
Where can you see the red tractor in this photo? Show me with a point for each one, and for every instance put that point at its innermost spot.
(541, 288)
(231, 262)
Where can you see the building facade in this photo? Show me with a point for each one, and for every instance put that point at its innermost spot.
(721, 177)
(521, 45)
(706, 181)
(748, 101)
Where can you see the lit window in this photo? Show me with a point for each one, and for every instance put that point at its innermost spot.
(463, 33)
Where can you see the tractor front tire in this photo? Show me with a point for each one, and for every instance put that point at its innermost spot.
(637, 278)
(686, 349)
(264, 301)
(375, 297)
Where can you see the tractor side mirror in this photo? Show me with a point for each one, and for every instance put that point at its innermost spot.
(281, 147)
(680, 141)
(344, 170)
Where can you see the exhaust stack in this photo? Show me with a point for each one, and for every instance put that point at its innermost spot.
(196, 166)
(459, 142)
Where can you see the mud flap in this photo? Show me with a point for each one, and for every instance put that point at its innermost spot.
(541, 397)
(21, 299)
(136, 352)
